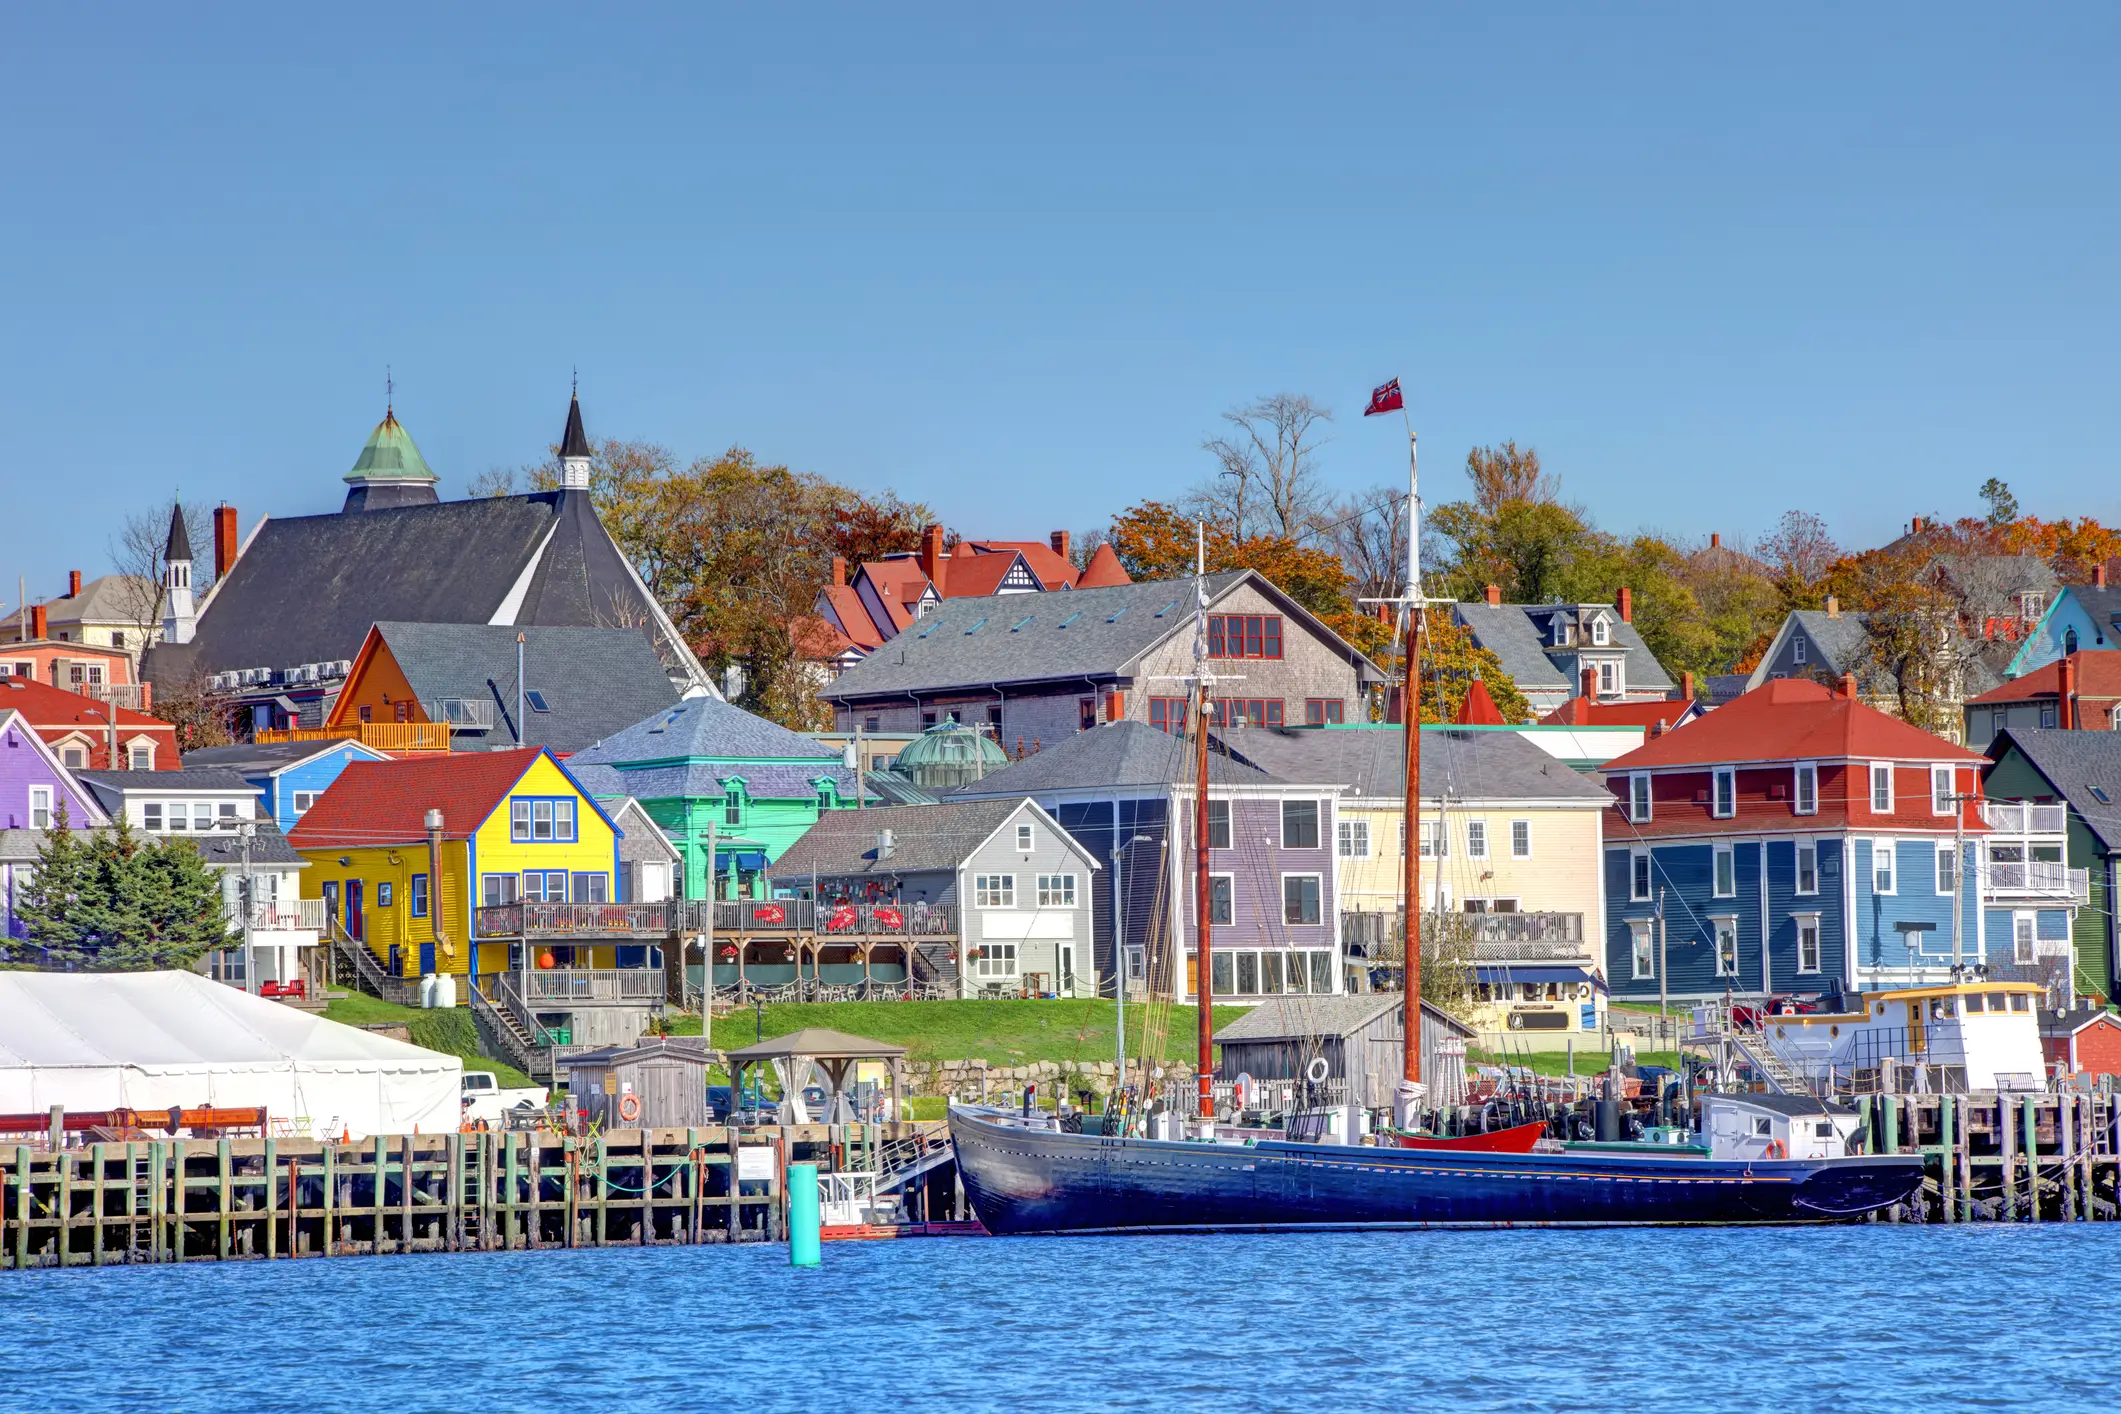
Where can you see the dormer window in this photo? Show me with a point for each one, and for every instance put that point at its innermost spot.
(1564, 631)
(1639, 798)
(1601, 632)
(2030, 604)
(1725, 793)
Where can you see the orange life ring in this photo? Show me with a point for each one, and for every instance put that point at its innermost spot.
(1776, 1149)
(629, 1107)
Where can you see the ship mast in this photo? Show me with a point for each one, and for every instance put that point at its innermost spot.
(1413, 608)
(1203, 884)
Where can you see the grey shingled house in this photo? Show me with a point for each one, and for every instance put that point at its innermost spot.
(1550, 649)
(1034, 669)
(1003, 889)
(277, 632)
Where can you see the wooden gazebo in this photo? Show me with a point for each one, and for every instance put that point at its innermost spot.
(834, 1053)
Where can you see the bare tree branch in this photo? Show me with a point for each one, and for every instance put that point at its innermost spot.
(1267, 481)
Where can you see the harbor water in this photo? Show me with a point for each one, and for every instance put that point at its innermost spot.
(1869, 1318)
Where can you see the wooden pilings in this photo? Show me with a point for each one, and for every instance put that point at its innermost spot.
(162, 1200)
(2004, 1158)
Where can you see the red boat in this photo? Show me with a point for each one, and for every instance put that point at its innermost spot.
(1518, 1139)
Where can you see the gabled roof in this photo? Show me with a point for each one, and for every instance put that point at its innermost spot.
(1371, 763)
(108, 598)
(47, 707)
(1053, 571)
(386, 802)
(1512, 633)
(112, 783)
(224, 849)
(976, 576)
(2081, 766)
(926, 838)
(593, 681)
(1838, 638)
(1126, 753)
(12, 722)
(306, 589)
(693, 746)
(1582, 712)
(2098, 675)
(1791, 719)
(271, 758)
(1084, 633)
(1309, 1018)
(819, 1043)
(2058, 1024)
(853, 616)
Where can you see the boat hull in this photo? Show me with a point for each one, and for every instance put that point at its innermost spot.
(1035, 1181)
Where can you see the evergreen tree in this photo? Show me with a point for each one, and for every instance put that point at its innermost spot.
(187, 911)
(51, 905)
(121, 904)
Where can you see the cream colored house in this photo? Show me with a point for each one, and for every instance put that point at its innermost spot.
(1510, 834)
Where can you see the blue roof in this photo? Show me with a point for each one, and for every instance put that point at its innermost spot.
(690, 748)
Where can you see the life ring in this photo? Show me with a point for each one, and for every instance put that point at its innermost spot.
(1776, 1149)
(1317, 1070)
(629, 1107)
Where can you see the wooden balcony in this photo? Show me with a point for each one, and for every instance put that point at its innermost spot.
(639, 986)
(399, 738)
(572, 920)
(795, 917)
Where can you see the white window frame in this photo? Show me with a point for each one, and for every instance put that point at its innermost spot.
(1601, 632)
(1318, 823)
(1881, 774)
(1809, 922)
(1797, 648)
(1797, 885)
(1723, 792)
(1722, 857)
(1609, 680)
(1641, 803)
(1351, 838)
(1435, 839)
(1721, 924)
(1941, 801)
(2048, 716)
(1025, 840)
(1056, 890)
(1231, 880)
(2025, 938)
(1315, 877)
(1642, 948)
(993, 891)
(995, 960)
(1804, 788)
(1642, 871)
(1948, 862)
(1888, 850)
(1476, 839)
(1520, 834)
(301, 801)
(40, 807)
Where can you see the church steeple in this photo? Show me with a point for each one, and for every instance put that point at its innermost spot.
(574, 448)
(390, 471)
(178, 617)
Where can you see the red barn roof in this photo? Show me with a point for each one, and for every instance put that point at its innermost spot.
(1791, 719)
(2098, 675)
(386, 802)
(1582, 712)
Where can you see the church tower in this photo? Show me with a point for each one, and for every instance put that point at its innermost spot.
(178, 616)
(390, 471)
(574, 449)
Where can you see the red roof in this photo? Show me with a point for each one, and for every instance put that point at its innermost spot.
(1582, 712)
(386, 802)
(48, 706)
(1052, 570)
(1791, 719)
(2098, 675)
(853, 615)
(1479, 709)
(976, 576)
(1103, 571)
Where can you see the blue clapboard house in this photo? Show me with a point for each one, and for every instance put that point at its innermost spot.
(289, 776)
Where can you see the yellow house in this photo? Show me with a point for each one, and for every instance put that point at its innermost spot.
(452, 864)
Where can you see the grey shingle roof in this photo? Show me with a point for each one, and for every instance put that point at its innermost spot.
(253, 759)
(1079, 633)
(1117, 754)
(104, 599)
(704, 727)
(20, 846)
(1511, 633)
(926, 838)
(225, 850)
(1371, 762)
(1300, 1018)
(211, 778)
(596, 681)
(2075, 762)
(1840, 639)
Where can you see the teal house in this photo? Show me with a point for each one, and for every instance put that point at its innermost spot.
(721, 783)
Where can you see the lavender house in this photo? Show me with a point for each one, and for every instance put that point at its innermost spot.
(33, 785)
(1125, 792)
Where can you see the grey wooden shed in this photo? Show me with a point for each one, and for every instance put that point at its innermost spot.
(666, 1074)
(1360, 1038)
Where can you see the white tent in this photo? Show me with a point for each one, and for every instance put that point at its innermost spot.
(151, 1040)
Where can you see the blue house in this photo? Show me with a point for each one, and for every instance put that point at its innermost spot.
(288, 775)
(1795, 840)
(2080, 616)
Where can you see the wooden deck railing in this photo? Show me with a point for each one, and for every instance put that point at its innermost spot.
(383, 736)
(571, 920)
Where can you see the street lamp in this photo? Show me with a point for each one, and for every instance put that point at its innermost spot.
(1119, 951)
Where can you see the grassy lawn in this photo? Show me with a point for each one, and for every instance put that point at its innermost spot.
(449, 1031)
(1000, 1033)
(1557, 1062)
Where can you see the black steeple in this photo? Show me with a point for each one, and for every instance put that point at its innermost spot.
(574, 442)
(179, 547)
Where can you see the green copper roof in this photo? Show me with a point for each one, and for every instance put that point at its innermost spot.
(390, 455)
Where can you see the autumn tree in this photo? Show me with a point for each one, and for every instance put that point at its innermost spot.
(1450, 660)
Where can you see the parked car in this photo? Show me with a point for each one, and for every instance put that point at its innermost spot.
(486, 1099)
(755, 1108)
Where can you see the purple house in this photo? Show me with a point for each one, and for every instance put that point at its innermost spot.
(1125, 792)
(32, 787)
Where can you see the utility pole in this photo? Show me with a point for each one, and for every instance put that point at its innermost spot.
(244, 830)
(1663, 1016)
(1958, 870)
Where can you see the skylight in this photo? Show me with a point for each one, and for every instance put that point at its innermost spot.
(536, 701)
(1071, 618)
(1167, 608)
(977, 625)
(1116, 613)
(2099, 794)
(1021, 622)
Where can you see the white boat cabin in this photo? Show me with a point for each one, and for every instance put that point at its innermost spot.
(1983, 1035)
(1775, 1127)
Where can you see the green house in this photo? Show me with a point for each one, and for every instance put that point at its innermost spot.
(2081, 771)
(721, 783)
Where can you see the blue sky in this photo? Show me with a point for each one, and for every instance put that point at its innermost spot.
(1714, 262)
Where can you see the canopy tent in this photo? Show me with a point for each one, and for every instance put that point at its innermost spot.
(153, 1040)
(1501, 974)
(834, 1054)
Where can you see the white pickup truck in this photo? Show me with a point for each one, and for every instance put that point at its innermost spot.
(484, 1099)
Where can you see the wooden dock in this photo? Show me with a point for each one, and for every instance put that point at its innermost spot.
(183, 1200)
(2004, 1157)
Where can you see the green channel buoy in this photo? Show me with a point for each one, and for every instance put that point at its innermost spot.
(803, 1220)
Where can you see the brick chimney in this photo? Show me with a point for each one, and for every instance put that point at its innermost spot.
(147, 695)
(1627, 605)
(934, 563)
(839, 569)
(1848, 687)
(1590, 684)
(1686, 686)
(1060, 541)
(2066, 707)
(1914, 527)
(225, 544)
(1833, 607)
(1715, 541)
(1494, 593)
(39, 623)
(2099, 575)
(73, 584)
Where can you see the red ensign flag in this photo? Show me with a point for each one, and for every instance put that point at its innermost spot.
(1385, 399)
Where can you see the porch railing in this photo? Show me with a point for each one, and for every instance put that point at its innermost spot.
(571, 920)
(784, 917)
(285, 915)
(570, 984)
(2041, 878)
(383, 736)
(2025, 817)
